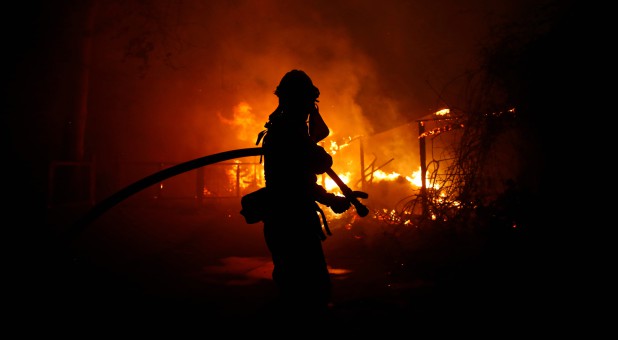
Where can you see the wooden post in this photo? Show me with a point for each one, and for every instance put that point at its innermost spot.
(362, 164)
(421, 143)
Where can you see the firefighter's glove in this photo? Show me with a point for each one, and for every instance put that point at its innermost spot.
(339, 204)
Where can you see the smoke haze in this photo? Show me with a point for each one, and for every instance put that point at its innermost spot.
(175, 80)
(172, 76)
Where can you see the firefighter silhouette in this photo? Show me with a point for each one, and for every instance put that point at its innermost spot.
(292, 228)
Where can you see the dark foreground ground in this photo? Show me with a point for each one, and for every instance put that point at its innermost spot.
(202, 266)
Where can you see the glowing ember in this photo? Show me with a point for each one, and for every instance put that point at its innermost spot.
(443, 112)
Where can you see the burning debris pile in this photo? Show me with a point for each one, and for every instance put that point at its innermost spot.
(463, 175)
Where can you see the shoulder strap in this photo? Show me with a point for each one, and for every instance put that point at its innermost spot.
(324, 223)
(261, 136)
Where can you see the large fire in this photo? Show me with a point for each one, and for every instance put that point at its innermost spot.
(387, 184)
(251, 174)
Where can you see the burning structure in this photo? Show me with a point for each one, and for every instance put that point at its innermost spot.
(451, 186)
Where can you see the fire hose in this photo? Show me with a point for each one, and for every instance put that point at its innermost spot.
(178, 169)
